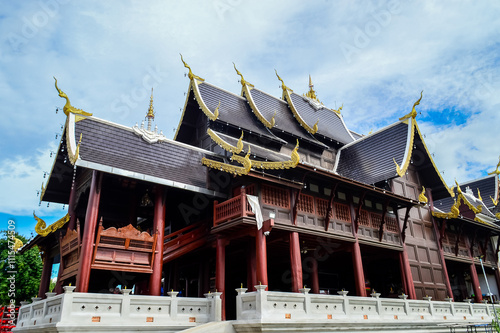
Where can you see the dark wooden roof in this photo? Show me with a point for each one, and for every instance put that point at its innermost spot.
(330, 124)
(269, 105)
(234, 110)
(370, 160)
(118, 147)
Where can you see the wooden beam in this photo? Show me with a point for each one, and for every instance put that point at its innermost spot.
(358, 212)
(329, 209)
(405, 223)
(381, 229)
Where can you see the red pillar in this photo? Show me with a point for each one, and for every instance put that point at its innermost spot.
(220, 271)
(314, 275)
(46, 272)
(475, 283)
(251, 266)
(261, 257)
(406, 274)
(359, 275)
(295, 262)
(159, 228)
(83, 276)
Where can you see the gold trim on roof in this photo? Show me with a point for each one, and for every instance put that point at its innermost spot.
(288, 99)
(413, 113)
(17, 244)
(245, 92)
(292, 163)
(194, 85)
(497, 215)
(191, 76)
(422, 197)
(455, 212)
(42, 229)
(233, 169)
(338, 110)
(226, 146)
(68, 107)
(495, 202)
(74, 157)
(479, 195)
(497, 171)
(401, 171)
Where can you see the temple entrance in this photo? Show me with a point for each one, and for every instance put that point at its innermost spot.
(460, 280)
(382, 271)
(236, 273)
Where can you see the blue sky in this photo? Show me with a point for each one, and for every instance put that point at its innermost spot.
(374, 57)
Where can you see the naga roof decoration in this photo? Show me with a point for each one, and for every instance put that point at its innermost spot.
(68, 108)
(497, 170)
(245, 92)
(225, 145)
(229, 168)
(287, 97)
(194, 81)
(42, 229)
(422, 197)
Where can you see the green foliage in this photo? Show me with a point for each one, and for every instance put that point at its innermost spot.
(21, 271)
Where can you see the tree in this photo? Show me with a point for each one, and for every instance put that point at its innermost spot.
(19, 273)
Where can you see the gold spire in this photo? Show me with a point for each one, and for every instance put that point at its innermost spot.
(497, 171)
(311, 93)
(151, 113)
(413, 112)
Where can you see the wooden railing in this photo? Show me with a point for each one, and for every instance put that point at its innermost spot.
(232, 208)
(185, 240)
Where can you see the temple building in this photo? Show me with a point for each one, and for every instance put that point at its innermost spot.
(255, 190)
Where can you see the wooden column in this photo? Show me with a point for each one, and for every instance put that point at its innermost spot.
(159, 228)
(475, 283)
(359, 275)
(295, 262)
(220, 271)
(83, 276)
(252, 266)
(71, 207)
(260, 258)
(46, 272)
(406, 274)
(314, 275)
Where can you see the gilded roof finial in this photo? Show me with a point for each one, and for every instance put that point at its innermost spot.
(311, 93)
(150, 115)
(68, 107)
(190, 74)
(283, 86)
(413, 112)
(422, 197)
(479, 195)
(242, 80)
(459, 190)
(497, 171)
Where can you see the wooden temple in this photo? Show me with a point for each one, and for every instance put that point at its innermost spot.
(256, 189)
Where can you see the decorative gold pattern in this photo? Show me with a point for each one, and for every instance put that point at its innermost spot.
(497, 215)
(402, 170)
(495, 202)
(422, 197)
(455, 212)
(190, 74)
(151, 113)
(413, 113)
(233, 169)
(497, 171)
(288, 99)
(17, 243)
(68, 107)
(295, 158)
(340, 109)
(311, 93)
(74, 157)
(479, 195)
(42, 229)
(245, 92)
(226, 146)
